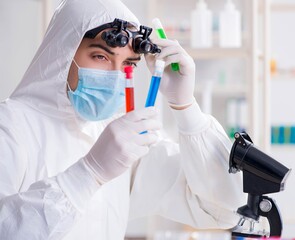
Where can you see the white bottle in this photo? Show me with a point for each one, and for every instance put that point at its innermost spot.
(201, 26)
(207, 96)
(230, 26)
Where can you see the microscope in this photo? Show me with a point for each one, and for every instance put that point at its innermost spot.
(261, 175)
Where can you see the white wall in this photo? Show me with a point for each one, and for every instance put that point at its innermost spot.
(20, 28)
(21, 31)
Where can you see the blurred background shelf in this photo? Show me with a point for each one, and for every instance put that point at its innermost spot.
(229, 91)
(217, 53)
(283, 7)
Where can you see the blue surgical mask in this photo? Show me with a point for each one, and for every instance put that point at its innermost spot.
(99, 93)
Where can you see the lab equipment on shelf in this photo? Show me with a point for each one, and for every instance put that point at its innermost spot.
(230, 26)
(201, 26)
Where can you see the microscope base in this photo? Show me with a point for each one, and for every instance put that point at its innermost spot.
(248, 235)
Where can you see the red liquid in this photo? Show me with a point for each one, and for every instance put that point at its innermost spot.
(129, 96)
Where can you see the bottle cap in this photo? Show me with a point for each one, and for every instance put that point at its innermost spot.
(201, 5)
(160, 64)
(229, 6)
(128, 70)
(157, 23)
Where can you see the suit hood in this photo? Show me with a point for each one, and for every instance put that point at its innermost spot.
(43, 86)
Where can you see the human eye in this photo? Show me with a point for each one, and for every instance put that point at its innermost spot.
(99, 57)
(130, 63)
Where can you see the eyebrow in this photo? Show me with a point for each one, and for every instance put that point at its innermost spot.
(134, 58)
(96, 45)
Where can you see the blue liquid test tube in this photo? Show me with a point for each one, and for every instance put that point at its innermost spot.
(155, 83)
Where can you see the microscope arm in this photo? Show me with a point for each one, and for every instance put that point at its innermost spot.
(268, 208)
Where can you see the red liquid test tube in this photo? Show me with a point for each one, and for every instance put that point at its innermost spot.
(129, 88)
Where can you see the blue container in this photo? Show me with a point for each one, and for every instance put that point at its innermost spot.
(281, 135)
(274, 135)
(292, 137)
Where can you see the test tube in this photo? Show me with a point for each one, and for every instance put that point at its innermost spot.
(155, 83)
(161, 34)
(129, 88)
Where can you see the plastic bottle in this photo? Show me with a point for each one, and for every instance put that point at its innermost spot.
(207, 96)
(230, 26)
(201, 26)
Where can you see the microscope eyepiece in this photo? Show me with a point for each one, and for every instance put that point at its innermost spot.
(261, 173)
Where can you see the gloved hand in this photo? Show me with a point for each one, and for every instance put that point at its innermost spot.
(121, 143)
(176, 86)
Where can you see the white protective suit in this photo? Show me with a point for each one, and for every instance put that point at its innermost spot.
(47, 193)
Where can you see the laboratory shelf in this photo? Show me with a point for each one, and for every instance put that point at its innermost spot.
(284, 147)
(283, 77)
(217, 53)
(283, 7)
(223, 91)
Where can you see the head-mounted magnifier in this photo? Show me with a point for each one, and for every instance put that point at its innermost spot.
(119, 33)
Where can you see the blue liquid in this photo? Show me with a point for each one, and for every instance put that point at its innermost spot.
(153, 91)
(152, 95)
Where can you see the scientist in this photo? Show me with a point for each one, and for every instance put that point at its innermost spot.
(73, 167)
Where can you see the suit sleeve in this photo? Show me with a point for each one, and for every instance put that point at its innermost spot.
(189, 182)
(49, 208)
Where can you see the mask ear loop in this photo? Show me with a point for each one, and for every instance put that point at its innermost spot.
(69, 87)
(76, 63)
(67, 81)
